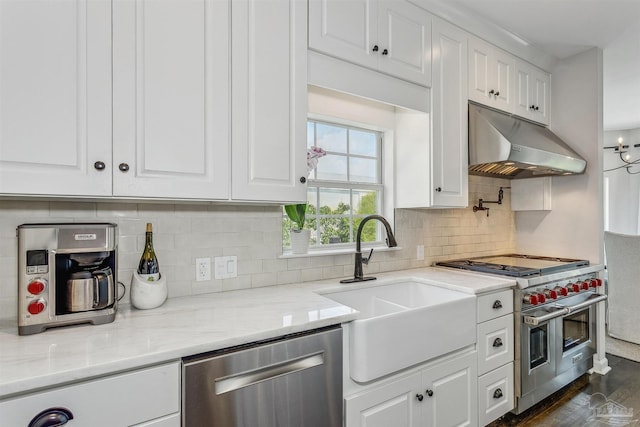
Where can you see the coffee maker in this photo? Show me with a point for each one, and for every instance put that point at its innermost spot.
(67, 274)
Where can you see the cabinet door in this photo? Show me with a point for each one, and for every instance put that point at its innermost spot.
(345, 29)
(55, 97)
(171, 98)
(491, 74)
(450, 389)
(404, 40)
(394, 404)
(449, 159)
(532, 93)
(269, 100)
(540, 95)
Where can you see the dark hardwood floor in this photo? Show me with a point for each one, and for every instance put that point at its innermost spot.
(592, 400)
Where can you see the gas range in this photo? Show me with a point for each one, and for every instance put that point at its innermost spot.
(554, 318)
(528, 270)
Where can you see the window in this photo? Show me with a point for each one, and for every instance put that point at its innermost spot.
(345, 187)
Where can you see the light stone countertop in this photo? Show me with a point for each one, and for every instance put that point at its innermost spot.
(190, 325)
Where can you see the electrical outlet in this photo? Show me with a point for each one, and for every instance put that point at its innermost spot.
(203, 269)
(420, 252)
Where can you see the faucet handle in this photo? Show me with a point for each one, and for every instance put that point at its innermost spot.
(366, 260)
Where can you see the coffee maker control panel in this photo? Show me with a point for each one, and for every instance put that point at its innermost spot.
(37, 261)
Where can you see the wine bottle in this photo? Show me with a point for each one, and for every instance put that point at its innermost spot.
(148, 267)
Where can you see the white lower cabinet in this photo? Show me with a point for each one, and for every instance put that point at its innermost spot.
(495, 343)
(438, 394)
(146, 397)
(495, 394)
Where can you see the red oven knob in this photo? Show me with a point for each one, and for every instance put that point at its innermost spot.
(36, 307)
(593, 283)
(550, 293)
(562, 291)
(530, 299)
(573, 287)
(585, 286)
(599, 282)
(541, 298)
(36, 286)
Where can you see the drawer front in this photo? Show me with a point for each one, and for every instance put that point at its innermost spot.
(494, 305)
(495, 342)
(126, 399)
(495, 394)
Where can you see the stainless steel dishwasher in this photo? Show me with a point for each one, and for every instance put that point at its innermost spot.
(292, 381)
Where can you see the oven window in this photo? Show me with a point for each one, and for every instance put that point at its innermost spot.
(575, 330)
(538, 347)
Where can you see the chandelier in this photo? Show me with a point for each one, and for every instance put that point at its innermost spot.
(625, 156)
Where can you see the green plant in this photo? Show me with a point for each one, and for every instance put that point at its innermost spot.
(297, 213)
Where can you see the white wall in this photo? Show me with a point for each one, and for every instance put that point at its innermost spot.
(574, 227)
(624, 188)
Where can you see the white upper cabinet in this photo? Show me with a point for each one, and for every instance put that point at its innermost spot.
(269, 100)
(171, 99)
(393, 37)
(532, 93)
(55, 97)
(431, 153)
(491, 75)
(449, 147)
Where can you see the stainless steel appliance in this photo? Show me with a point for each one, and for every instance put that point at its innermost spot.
(292, 381)
(555, 319)
(506, 146)
(66, 275)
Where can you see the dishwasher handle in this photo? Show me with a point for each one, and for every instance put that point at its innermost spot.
(244, 379)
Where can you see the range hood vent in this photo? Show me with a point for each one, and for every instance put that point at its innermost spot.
(505, 146)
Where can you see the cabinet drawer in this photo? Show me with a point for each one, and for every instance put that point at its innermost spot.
(126, 399)
(494, 305)
(495, 394)
(495, 343)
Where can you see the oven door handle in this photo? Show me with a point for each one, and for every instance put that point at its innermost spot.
(536, 320)
(563, 311)
(591, 301)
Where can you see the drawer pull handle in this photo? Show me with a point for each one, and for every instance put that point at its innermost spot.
(497, 304)
(497, 342)
(51, 417)
(497, 394)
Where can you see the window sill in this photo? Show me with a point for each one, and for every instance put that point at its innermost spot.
(341, 251)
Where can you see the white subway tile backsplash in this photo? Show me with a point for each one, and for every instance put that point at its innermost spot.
(184, 232)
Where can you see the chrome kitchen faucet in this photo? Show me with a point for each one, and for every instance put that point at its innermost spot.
(391, 242)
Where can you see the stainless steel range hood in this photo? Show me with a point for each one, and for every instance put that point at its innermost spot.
(505, 146)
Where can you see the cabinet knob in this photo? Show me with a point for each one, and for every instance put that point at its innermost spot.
(497, 342)
(303, 179)
(123, 167)
(491, 92)
(99, 165)
(419, 397)
(497, 94)
(537, 108)
(438, 189)
(51, 417)
(385, 52)
(375, 48)
(497, 394)
(533, 107)
(497, 304)
(429, 393)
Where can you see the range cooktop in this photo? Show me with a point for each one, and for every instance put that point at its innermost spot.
(515, 265)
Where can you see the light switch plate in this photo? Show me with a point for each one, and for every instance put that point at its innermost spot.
(226, 267)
